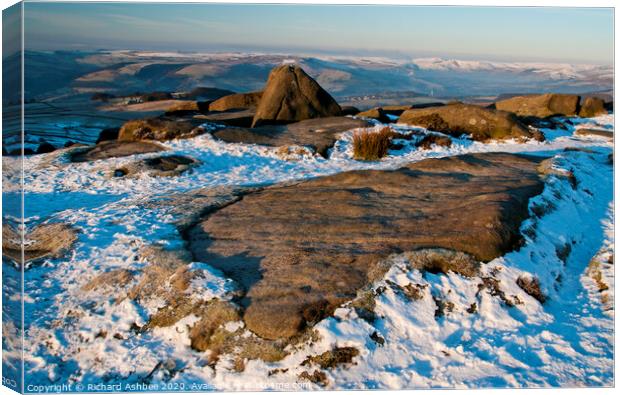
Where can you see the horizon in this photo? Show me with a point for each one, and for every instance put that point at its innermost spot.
(540, 35)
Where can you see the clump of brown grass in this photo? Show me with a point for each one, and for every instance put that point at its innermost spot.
(594, 270)
(331, 359)
(531, 286)
(316, 377)
(368, 145)
(441, 260)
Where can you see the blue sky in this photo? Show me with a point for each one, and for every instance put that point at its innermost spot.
(575, 35)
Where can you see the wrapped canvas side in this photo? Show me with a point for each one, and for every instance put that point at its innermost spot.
(12, 198)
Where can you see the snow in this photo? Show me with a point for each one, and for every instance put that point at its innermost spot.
(555, 71)
(568, 341)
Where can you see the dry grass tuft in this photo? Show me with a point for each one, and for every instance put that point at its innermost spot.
(316, 377)
(441, 260)
(531, 286)
(414, 291)
(215, 314)
(331, 359)
(594, 270)
(111, 280)
(368, 145)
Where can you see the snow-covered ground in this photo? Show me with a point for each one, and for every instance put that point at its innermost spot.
(567, 341)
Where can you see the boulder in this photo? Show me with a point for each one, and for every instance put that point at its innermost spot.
(540, 106)
(160, 129)
(480, 123)
(320, 133)
(375, 113)
(114, 149)
(159, 166)
(291, 95)
(323, 240)
(396, 110)
(349, 110)
(236, 102)
(595, 132)
(591, 107)
(45, 148)
(108, 134)
(43, 241)
(431, 139)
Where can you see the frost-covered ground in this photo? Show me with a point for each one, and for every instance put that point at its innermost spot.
(567, 341)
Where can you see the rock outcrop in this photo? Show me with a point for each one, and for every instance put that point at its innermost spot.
(479, 123)
(375, 113)
(591, 107)
(160, 129)
(291, 95)
(301, 250)
(108, 134)
(242, 118)
(187, 107)
(114, 149)
(595, 132)
(43, 241)
(540, 106)
(159, 166)
(237, 101)
(320, 133)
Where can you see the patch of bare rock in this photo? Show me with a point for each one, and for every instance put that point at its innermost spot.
(595, 132)
(301, 250)
(318, 133)
(160, 129)
(114, 149)
(43, 241)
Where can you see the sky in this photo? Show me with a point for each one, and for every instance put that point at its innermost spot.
(572, 35)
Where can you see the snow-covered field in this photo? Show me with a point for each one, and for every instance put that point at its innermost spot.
(567, 341)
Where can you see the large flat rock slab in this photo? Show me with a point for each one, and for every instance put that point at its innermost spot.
(43, 241)
(318, 133)
(301, 250)
(114, 149)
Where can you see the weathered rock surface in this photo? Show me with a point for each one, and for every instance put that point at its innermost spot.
(114, 149)
(320, 133)
(43, 241)
(349, 110)
(291, 95)
(299, 251)
(160, 129)
(480, 123)
(45, 148)
(595, 132)
(432, 139)
(159, 166)
(591, 107)
(108, 134)
(236, 102)
(241, 118)
(187, 107)
(541, 106)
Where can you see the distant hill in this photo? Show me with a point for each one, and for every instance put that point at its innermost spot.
(50, 74)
